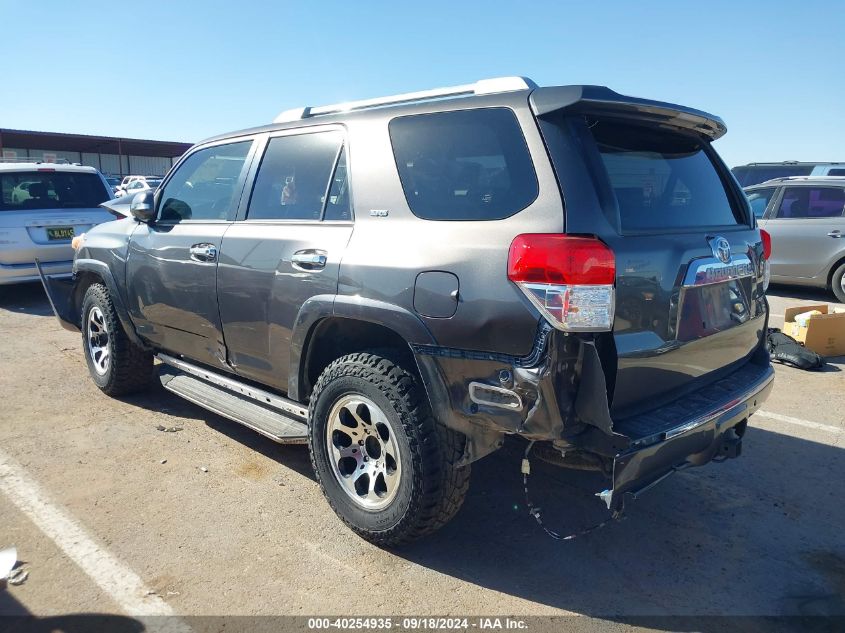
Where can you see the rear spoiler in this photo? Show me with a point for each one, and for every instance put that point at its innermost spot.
(600, 100)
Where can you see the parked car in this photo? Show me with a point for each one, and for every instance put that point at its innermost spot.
(399, 283)
(755, 173)
(42, 207)
(804, 216)
(138, 183)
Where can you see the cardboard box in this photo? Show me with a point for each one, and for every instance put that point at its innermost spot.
(824, 333)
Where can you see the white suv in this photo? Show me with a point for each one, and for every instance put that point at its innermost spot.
(42, 207)
(134, 184)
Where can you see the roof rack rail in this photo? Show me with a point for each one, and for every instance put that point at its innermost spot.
(35, 161)
(481, 87)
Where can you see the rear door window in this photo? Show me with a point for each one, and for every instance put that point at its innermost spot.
(812, 202)
(463, 165)
(661, 180)
(45, 189)
(293, 179)
(759, 200)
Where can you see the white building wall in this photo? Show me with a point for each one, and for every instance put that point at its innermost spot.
(110, 164)
(149, 165)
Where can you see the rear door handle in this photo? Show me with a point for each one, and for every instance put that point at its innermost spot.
(836, 233)
(309, 259)
(204, 252)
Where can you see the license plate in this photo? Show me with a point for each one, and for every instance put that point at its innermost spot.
(60, 233)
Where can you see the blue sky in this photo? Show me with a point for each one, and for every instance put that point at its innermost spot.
(184, 70)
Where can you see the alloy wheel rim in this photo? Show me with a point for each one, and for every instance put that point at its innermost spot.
(98, 340)
(363, 452)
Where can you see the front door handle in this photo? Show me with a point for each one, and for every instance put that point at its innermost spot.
(836, 233)
(204, 252)
(309, 259)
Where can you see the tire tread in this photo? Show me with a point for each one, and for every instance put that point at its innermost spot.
(435, 449)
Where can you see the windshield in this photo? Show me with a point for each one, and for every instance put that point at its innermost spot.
(44, 189)
(661, 180)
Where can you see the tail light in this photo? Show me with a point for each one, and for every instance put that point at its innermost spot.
(570, 279)
(767, 253)
(767, 243)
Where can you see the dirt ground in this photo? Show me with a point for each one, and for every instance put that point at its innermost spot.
(252, 535)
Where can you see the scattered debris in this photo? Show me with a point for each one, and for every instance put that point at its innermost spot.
(164, 461)
(204, 469)
(278, 480)
(168, 429)
(172, 593)
(18, 576)
(8, 558)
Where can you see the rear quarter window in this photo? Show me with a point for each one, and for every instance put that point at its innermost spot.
(463, 165)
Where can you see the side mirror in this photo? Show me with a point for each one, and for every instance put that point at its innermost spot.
(143, 206)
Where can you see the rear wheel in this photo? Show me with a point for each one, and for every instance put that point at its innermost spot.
(116, 364)
(838, 283)
(387, 469)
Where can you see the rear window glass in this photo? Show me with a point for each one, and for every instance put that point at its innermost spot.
(661, 180)
(463, 165)
(836, 172)
(32, 190)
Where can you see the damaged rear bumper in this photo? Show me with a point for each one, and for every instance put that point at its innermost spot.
(714, 432)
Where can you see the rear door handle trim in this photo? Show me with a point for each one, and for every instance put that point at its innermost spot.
(203, 252)
(836, 233)
(309, 259)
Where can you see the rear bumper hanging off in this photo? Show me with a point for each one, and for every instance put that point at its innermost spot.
(714, 434)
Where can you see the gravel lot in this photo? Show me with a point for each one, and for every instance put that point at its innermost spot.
(760, 535)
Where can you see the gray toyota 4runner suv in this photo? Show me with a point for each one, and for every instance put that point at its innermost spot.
(403, 282)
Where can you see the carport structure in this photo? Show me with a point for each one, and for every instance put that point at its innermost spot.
(114, 156)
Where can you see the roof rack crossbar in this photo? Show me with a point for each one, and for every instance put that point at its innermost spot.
(481, 87)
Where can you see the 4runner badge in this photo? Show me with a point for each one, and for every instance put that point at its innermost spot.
(721, 249)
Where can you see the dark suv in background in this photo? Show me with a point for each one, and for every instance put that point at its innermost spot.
(403, 282)
(755, 173)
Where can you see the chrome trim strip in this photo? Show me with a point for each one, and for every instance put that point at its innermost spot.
(259, 395)
(709, 270)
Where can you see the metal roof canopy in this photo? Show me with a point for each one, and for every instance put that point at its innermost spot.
(26, 139)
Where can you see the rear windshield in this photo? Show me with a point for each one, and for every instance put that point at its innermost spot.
(22, 191)
(661, 180)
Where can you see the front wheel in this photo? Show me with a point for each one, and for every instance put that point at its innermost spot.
(838, 283)
(387, 469)
(116, 364)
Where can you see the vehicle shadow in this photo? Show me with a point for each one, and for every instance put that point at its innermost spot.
(759, 535)
(27, 298)
(755, 536)
(16, 618)
(293, 456)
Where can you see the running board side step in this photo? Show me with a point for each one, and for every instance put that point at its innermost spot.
(273, 416)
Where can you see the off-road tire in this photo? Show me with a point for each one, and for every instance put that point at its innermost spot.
(130, 367)
(837, 281)
(431, 488)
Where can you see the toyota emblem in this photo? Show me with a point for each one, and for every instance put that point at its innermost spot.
(721, 249)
